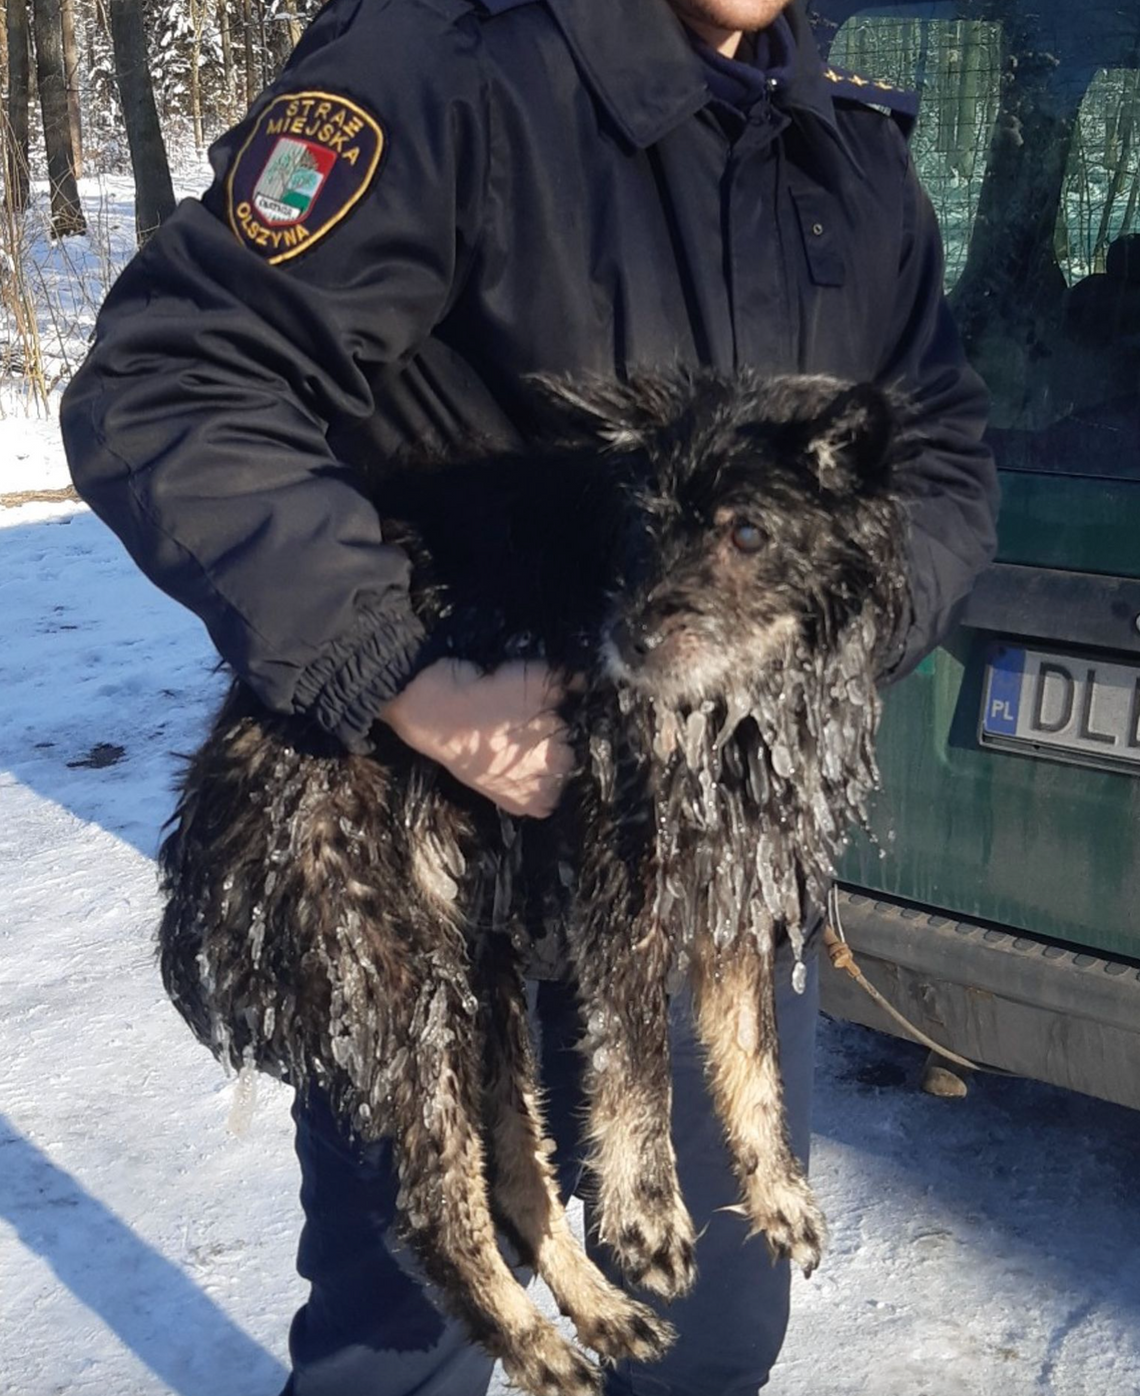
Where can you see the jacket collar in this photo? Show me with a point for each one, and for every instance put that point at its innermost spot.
(810, 95)
(807, 89)
(642, 68)
(635, 56)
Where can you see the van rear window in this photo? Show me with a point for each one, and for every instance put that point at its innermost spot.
(1029, 145)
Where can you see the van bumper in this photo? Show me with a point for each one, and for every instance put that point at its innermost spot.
(1044, 1010)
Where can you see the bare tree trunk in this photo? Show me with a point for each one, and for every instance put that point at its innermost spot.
(281, 39)
(154, 192)
(197, 24)
(4, 42)
(262, 49)
(948, 79)
(967, 132)
(922, 62)
(71, 79)
(1113, 113)
(195, 100)
(247, 40)
(227, 53)
(1130, 207)
(16, 123)
(66, 213)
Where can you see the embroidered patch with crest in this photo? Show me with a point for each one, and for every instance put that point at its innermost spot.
(307, 163)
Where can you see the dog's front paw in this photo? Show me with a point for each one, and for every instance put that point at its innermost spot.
(790, 1219)
(655, 1246)
(626, 1329)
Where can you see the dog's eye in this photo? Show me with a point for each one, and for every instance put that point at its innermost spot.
(747, 537)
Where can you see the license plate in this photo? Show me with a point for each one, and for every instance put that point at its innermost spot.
(1069, 707)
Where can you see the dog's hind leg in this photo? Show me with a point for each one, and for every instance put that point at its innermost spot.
(525, 1190)
(734, 1002)
(433, 1113)
(641, 1215)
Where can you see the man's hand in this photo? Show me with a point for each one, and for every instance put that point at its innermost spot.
(499, 733)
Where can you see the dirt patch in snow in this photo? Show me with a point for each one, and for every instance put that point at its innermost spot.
(18, 497)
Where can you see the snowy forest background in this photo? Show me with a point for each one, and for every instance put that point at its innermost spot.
(108, 104)
(101, 84)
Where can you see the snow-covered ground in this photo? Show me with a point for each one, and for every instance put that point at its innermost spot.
(148, 1222)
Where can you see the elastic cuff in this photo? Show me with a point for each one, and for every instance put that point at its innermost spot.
(345, 688)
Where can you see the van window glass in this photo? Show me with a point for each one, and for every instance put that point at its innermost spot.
(1028, 143)
(956, 65)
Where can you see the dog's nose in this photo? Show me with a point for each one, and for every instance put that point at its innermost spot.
(634, 639)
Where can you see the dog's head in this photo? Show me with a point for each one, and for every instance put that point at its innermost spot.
(760, 518)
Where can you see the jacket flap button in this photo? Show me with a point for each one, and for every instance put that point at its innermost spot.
(823, 247)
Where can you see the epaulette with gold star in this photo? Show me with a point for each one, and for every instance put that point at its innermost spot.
(901, 102)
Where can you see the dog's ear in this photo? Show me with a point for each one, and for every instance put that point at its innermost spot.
(621, 415)
(850, 442)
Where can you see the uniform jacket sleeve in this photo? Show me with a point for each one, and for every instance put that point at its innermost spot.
(196, 427)
(950, 487)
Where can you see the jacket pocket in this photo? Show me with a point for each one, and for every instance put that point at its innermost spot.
(820, 228)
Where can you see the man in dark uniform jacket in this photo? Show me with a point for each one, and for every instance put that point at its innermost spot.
(437, 198)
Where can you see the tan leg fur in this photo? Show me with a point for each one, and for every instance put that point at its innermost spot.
(735, 1012)
(641, 1214)
(443, 1193)
(528, 1203)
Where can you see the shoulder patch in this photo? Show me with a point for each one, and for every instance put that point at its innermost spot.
(873, 92)
(305, 165)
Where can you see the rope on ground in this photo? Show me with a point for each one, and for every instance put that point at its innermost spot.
(843, 958)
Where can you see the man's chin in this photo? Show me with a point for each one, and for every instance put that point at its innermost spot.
(711, 18)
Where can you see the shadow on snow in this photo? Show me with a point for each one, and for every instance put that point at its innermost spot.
(147, 1301)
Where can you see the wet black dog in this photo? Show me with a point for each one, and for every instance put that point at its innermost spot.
(722, 560)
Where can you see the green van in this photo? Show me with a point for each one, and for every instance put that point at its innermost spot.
(998, 905)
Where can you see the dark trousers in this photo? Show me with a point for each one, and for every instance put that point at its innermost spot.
(369, 1328)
